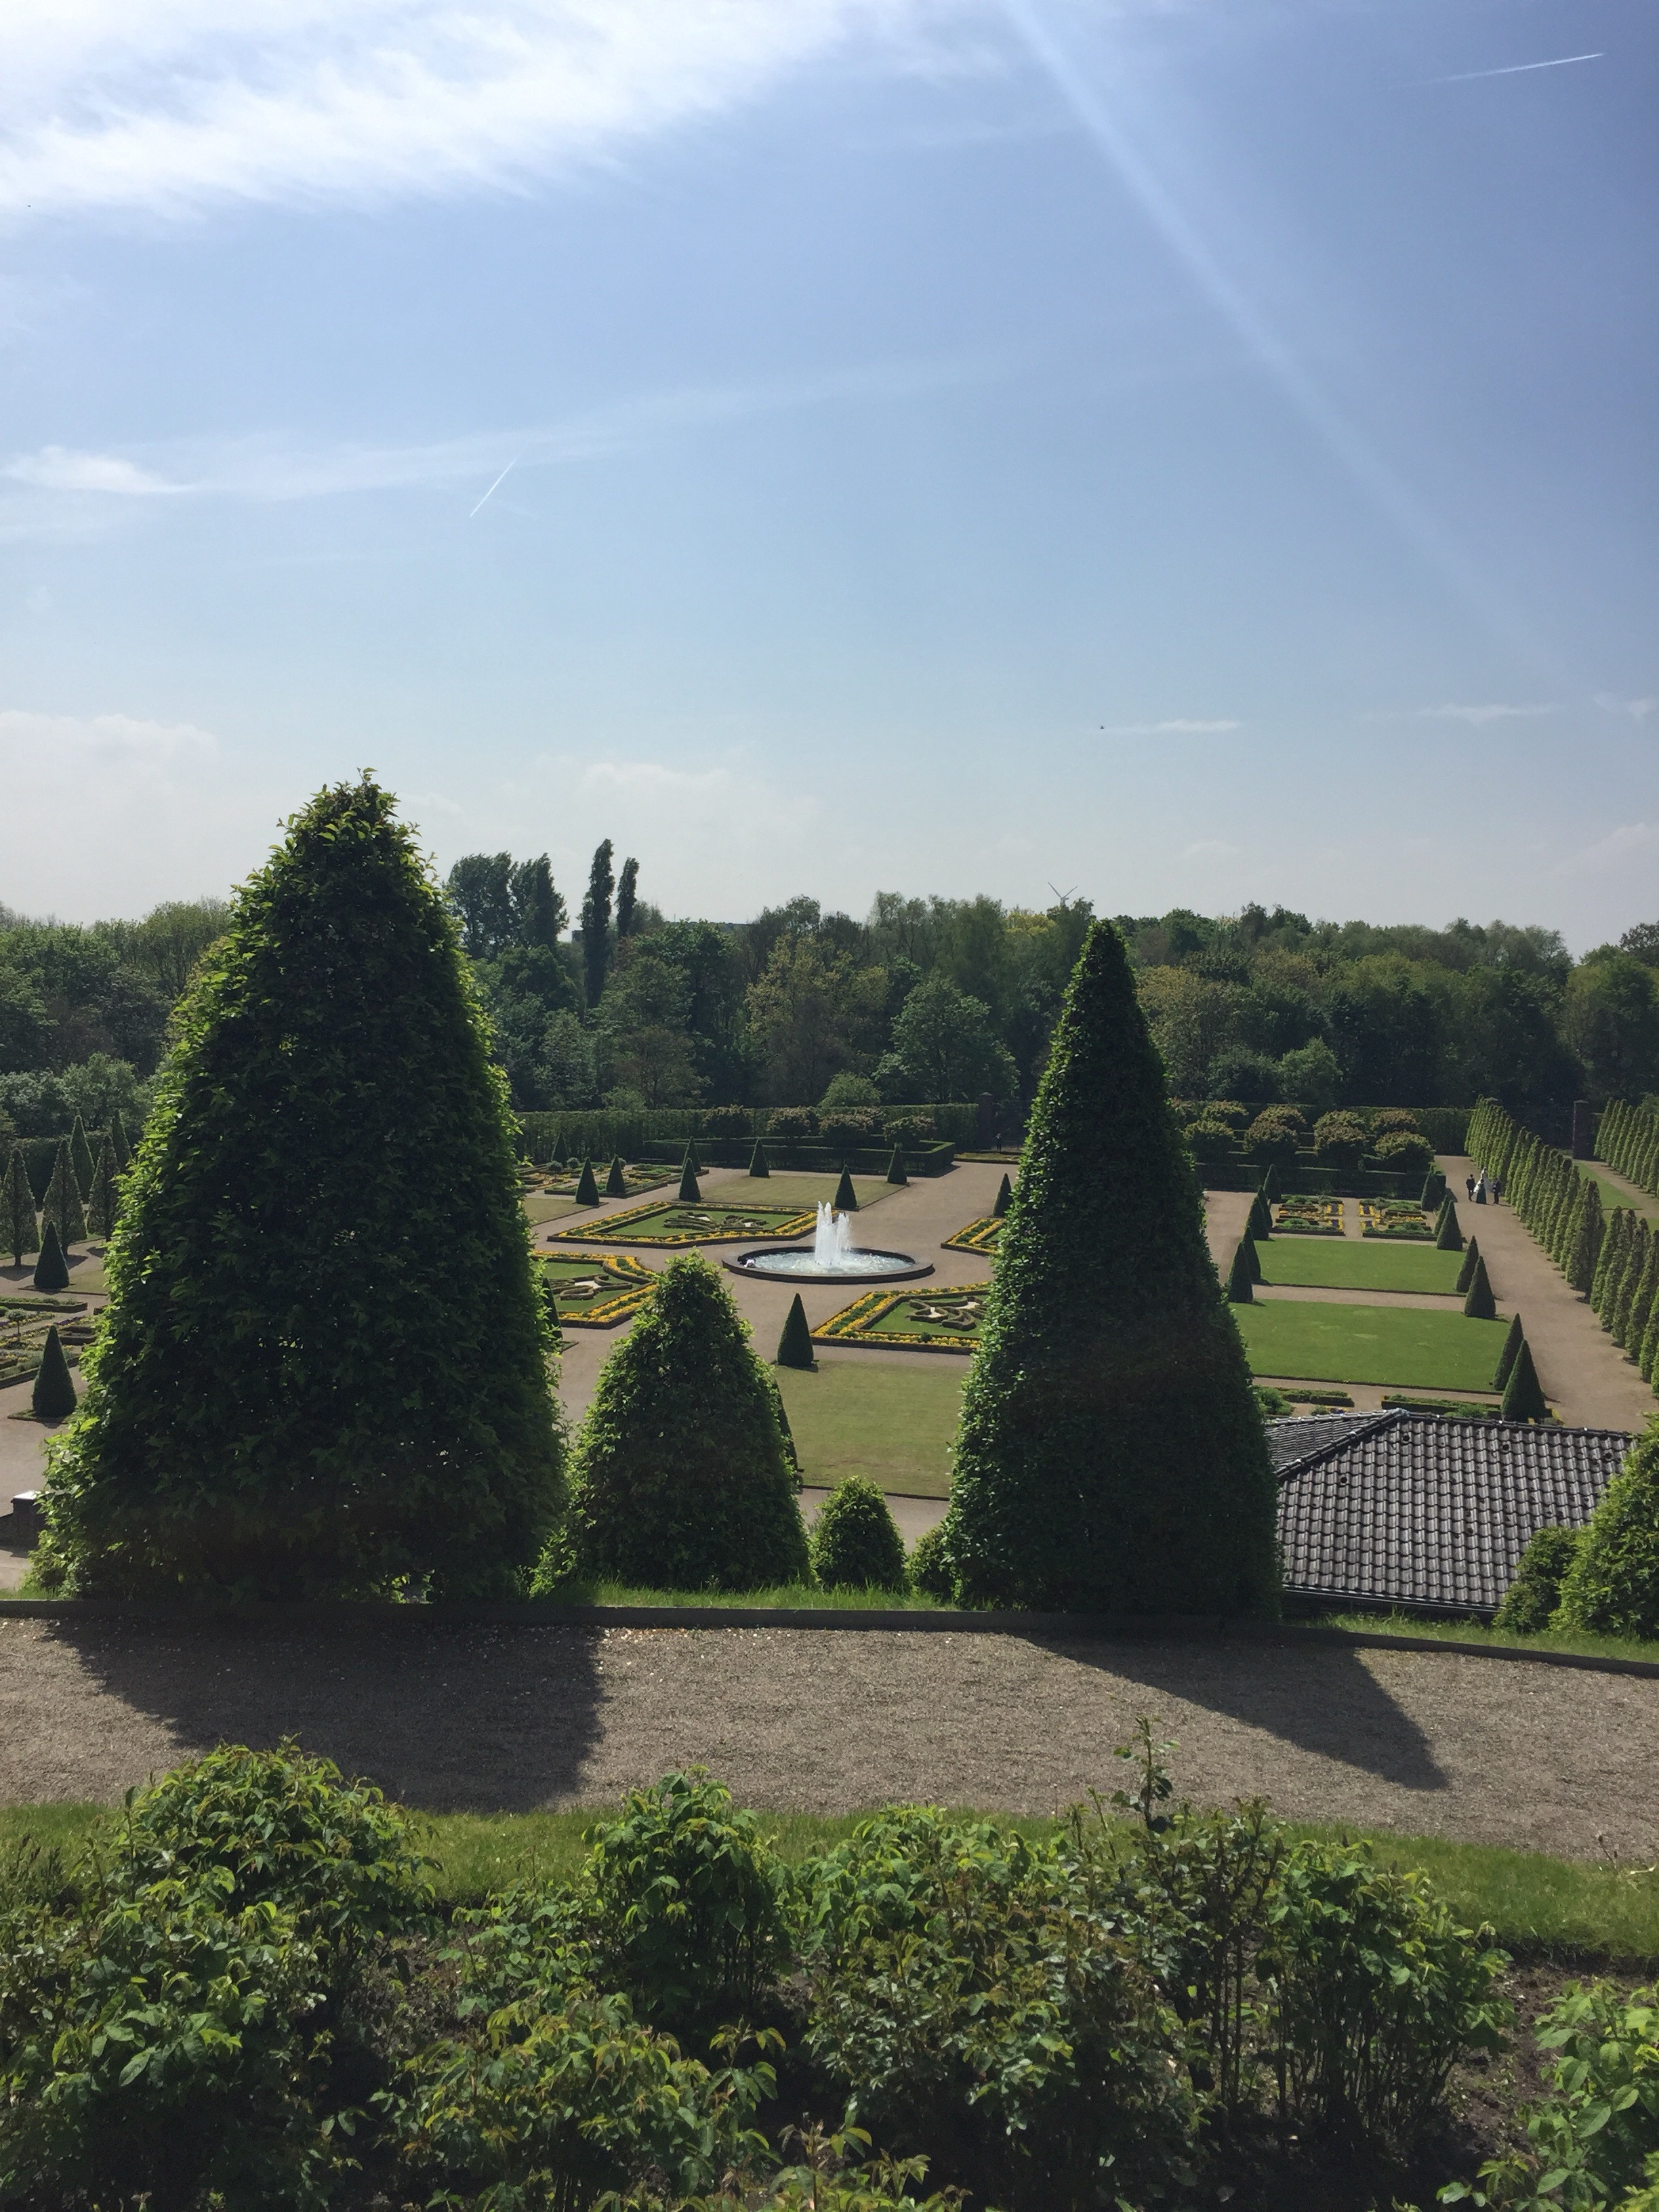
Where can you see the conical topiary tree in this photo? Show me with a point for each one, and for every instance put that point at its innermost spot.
(681, 1478)
(1630, 1283)
(1612, 1587)
(80, 1158)
(694, 1158)
(846, 1198)
(1270, 1188)
(1434, 1188)
(101, 1198)
(19, 1229)
(1242, 1275)
(1470, 1261)
(323, 1370)
(53, 1397)
(1110, 1456)
(855, 1542)
(1523, 1398)
(118, 1137)
(895, 1171)
(1448, 1237)
(1261, 1222)
(1648, 1361)
(759, 1165)
(795, 1344)
(50, 1269)
(62, 1203)
(1642, 1302)
(615, 1183)
(1479, 1302)
(1506, 1357)
(689, 1192)
(1587, 1239)
(1004, 1192)
(587, 1187)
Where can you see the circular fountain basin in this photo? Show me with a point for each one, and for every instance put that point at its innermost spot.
(800, 1263)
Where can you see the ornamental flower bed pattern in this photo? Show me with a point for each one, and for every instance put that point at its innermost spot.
(913, 1320)
(674, 1227)
(1394, 1217)
(600, 1292)
(1309, 1216)
(977, 1237)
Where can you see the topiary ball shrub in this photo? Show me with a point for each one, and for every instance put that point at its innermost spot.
(53, 1396)
(849, 1128)
(1532, 1598)
(1390, 1119)
(1402, 1153)
(855, 1542)
(791, 1124)
(913, 1130)
(929, 1567)
(681, 1478)
(1339, 1139)
(727, 1121)
(1211, 1142)
(1611, 1586)
(1272, 1138)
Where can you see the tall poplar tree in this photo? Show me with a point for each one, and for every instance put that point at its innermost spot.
(323, 1370)
(596, 923)
(1110, 1456)
(19, 1229)
(627, 890)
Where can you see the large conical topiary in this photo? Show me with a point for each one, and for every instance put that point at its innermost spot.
(1479, 1302)
(19, 1228)
(118, 1137)
(1587, 1239)
(1612, 1587)
(1004, 1192)
(101, 1198)
(846, 1198)
(53, 1397)
(1110, 1456)
(1260, 1222)
(615, 1183)
(795, 1343)
(1506, 1357)
(323, 1370)
(855, 1542)
(758, 1163)
(1448, 1237)
(681, 1477)
(1523, 1395)
(1242, 1274)
(690, 1193)
(62, 1204)
(1470, 1261)
(895, 1168)
(587, 1187)
(50, 1269)
(80, 1158)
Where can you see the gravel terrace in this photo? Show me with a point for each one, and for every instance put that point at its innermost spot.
(510, 1719)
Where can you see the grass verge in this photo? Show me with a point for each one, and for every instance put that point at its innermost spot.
(1593, 1912)
(1409, 1346)
(1581, 1641)
(803, 1190)
(1344, 1263)
(796, 1597)
(893, 1425)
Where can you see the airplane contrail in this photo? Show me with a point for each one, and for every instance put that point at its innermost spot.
(500, 481)
(1515, 69)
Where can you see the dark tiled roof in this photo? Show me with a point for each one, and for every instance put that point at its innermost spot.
(1417, 1510)
(1302, 1434)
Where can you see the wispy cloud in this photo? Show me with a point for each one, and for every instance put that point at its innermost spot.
(1478, 717)
(1638, 709)
(178, 104)
(1632, 840)
(1210, 848)
(1179, 726)
(56, 468)
(119, 742)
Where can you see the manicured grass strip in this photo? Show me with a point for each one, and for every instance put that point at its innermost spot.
(1612, 1195)
(1346, 1264)
(797, 1190)
(546, 1205)
(1597, 1911)
(893, 1425)
(1477, 1632)
(1411, 1346)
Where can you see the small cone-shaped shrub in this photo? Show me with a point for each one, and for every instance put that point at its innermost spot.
(80, 1158)
(615, 1183)
(1533, 1596)
(1261, 1222)
(795, 1344)
(54, 1386)
(846, 1199)
(1470, 1261)
(1272, 1190)
(1434, 1189)
(1242, 1274)
(929, 1569)
(759, 1165)
(682, 1480)
(1448, 1237)
(1612, 1587)
(693, 1155)
(587, 1187)
(19, 1229)
(895, 1173)
(1004, 1192)
(690, 1193)
(1110, 1456)
(323, 1368)
(550, 1301)
(118, 1137)
(50, 1269)
(1479, 1302)
(62, 1203)
(856, 1544)
(1587, 1239)
(1506, 1359)
(1523, 1399)
(101, 1198)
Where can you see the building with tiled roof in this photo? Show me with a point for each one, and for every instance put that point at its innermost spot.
(1426, 1513)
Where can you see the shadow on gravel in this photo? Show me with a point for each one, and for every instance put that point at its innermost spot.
(462, 1719)
(1324, 1701)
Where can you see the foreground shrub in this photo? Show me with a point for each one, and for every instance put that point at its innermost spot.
(930, 1568)
(855, 1542)
(1611, 1586)
(682, 1478)
(1532, 1598)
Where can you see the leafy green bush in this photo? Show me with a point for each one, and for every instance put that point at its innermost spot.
(1341, 1139)
(1613, 1583)
(855, 1542)
(930, 1570)
(1532, 1598)
(689, 1905)
(1389, 1119)
(682, 1477)
(848, 1127)
(1210, 1142)
(792, 1123)
(1402, 1153)
(911, 1129)
(1272, 1137)
(727, 1122)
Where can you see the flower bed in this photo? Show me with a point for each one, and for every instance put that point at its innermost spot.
(913, 1321)
(977, 1237)
(600, 1292)
(675, 1226)
(1309, 1216)
(1394, 1217)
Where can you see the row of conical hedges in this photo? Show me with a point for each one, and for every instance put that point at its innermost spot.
(80, 1199)
(1628, 1138)
(1613, 1259)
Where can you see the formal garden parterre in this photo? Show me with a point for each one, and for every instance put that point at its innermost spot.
(674, 1227)
(939, 1321)
(599, 1293)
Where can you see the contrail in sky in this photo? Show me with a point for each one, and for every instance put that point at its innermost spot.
(1515, 69)
(500, 481)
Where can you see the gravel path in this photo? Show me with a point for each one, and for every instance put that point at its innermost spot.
(510, 1719)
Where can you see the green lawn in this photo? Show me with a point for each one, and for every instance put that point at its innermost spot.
(1406, 1345)
(1349, 1263)
(893, 1423)
(793, 1190)
(1612, 1195)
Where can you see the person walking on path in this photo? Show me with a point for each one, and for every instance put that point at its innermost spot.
(1498, 1190)
(1480, 1192)
(1468, 1185)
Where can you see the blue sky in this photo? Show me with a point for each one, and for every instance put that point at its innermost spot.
(1185, 452)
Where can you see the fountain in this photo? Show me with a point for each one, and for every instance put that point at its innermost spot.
(832, 1257)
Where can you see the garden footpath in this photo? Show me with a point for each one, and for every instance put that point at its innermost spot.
(511, 1719)
(1586, 1378)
